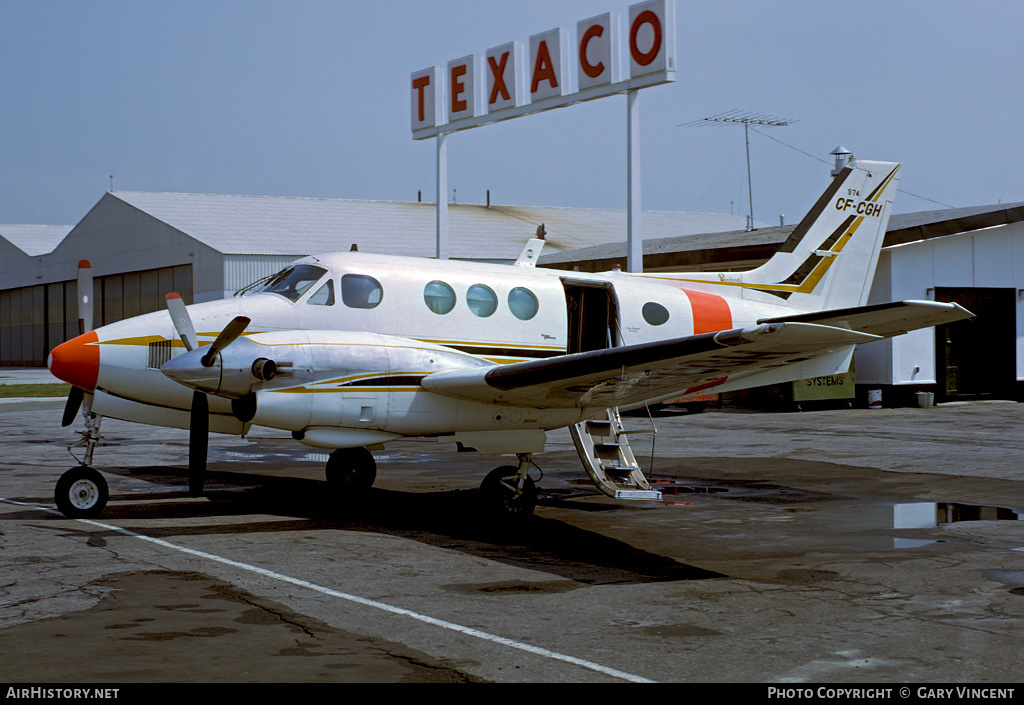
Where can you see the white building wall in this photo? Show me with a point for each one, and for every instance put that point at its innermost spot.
(872, 363)
(913, 272)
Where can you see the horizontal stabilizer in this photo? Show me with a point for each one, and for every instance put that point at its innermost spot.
(635, 373)
(884, 320)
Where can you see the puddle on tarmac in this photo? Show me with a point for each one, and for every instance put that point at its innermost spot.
(928, 515)
(844, 519)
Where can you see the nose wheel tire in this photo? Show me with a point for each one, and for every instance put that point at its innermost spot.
(81, 493)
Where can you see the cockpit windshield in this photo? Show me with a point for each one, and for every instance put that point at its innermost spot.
(291, 282)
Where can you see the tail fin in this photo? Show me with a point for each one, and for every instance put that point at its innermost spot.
(829, 260)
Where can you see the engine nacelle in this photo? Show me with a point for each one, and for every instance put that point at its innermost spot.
(231, 373)
(337, 388)
(334, 379)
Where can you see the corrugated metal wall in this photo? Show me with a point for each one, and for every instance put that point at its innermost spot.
(241, 270)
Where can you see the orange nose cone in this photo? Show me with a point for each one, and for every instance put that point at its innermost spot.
(77, 361)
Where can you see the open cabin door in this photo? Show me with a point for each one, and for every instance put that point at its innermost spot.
(592, 316)
(602, 443)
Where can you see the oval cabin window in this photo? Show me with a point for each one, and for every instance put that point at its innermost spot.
(655, 314)
(439, 297)
(481, 300)
(523, 303)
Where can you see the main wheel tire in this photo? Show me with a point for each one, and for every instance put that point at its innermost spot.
(351, 470)
(81, 493)
(502, 498)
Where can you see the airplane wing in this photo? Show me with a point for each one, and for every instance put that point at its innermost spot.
(634, 373)
(885, 320)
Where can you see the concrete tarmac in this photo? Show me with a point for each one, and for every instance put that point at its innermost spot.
(849, 546)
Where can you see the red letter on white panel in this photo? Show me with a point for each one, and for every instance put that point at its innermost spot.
(652, 32)
(504, 69)
(597, 50)
(425, 87)
(462, 83)
(547, 64)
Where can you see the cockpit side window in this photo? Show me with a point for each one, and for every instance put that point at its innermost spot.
(361, 291)
(293, 282)
(324, 296)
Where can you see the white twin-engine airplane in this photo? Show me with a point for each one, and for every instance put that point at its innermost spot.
(351, 350)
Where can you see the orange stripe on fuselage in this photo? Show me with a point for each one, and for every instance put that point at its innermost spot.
(711, 313)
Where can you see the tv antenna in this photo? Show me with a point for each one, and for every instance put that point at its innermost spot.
(737, 117)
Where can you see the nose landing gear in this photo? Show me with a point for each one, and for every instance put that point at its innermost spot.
(81, 492)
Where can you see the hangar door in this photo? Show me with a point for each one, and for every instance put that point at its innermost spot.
(975, 357)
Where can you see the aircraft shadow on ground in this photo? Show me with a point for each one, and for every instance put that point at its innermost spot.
(449, 519)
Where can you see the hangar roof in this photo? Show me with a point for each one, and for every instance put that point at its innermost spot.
(273, 225)
(760, 244)
(35, 240)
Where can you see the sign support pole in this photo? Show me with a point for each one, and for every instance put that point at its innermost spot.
(442, 196)
(634, 214)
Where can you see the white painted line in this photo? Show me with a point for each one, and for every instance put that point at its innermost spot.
(22, 400)
(469, 631)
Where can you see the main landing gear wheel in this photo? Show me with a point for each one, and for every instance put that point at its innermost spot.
(350, 471)
(503, 495)
(81, 493)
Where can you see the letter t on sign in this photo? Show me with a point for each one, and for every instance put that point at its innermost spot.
(425, 86)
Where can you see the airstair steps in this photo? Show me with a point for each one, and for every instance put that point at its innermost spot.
(603, 447)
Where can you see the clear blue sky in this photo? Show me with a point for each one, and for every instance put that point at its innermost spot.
(310, 98)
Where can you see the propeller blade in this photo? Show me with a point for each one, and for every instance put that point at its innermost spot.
(198, 443)
(227, 336)
(74, 403)
(84, 296)
(182, 321)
